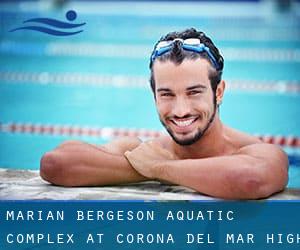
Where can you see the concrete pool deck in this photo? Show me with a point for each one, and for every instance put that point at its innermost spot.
(27, 185)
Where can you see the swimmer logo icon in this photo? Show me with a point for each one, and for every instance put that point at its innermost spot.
(71, 15)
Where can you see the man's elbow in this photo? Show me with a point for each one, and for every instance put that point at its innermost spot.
(52, 169)
(257, 186)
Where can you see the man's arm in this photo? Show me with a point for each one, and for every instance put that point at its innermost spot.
(256, 171)
(76, 163)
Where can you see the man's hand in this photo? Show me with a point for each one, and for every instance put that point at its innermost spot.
(145, 158)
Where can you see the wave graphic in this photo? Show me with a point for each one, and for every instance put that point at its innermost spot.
(70, 15)
(54, 22)
(47, 30)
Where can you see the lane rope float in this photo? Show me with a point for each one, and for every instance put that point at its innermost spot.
(109, 132)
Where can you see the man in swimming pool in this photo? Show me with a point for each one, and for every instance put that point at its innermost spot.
(200, 152)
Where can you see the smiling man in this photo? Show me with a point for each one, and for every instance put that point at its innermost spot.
(200, 152)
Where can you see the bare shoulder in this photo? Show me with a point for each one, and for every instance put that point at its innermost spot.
(270, 152)
(239, 138)
(253, 146)
(121, 145)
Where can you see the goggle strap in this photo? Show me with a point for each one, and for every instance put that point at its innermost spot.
(200, 49)
(196, 48)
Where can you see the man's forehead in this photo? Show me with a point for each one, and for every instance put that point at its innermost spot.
(186, 74)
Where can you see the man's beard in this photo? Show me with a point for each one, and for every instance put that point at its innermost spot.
(196, 137)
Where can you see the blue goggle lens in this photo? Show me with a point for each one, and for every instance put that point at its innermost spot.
(190, 44)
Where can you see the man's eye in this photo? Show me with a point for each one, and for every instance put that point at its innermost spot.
(166, 94)
(194, 92)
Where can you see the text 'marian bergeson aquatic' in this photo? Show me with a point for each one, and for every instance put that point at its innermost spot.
(208, 216)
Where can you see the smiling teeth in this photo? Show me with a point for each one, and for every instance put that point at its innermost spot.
(184, 123)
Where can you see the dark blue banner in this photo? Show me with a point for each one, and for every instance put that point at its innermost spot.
(149, 225)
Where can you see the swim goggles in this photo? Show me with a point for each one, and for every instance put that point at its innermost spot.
(190, 44)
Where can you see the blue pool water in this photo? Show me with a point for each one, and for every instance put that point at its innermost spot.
(42, 77)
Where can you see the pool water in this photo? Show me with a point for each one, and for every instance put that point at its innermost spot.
(100, 76)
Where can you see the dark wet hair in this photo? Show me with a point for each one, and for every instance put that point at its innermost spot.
(177, 55)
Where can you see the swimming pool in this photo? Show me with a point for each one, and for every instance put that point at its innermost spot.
(94, 85)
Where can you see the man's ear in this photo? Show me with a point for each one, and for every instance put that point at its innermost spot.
(220, 92)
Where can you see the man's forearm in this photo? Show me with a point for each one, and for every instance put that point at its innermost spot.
(86, 165)
(231, 177)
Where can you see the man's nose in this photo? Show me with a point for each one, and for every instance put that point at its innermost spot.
(181, 107)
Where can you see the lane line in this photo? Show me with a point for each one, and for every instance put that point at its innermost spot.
(122, 81)
(109, 132)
